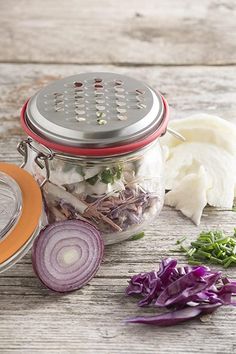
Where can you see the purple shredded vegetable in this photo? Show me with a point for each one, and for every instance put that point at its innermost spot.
(187, 291)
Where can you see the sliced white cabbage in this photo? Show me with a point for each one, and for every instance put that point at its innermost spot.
(101, 188)
(210, 144)
(61, 176)
(220, 167)
(190, 195)
(203, 128)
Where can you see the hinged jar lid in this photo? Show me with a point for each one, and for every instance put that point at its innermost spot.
(87, 113)
(20, 213)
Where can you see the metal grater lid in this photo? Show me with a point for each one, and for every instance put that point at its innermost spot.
(94, 110)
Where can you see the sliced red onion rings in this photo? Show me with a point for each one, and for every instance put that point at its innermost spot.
(67, 254)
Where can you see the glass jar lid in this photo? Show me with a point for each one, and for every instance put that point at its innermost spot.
(11, 203)
(20, 212)
(94, 111)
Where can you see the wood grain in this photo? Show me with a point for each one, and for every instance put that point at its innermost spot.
(118, 32)
(91, 320)
(188, 90)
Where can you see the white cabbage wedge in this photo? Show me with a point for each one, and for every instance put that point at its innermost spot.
(201, 170)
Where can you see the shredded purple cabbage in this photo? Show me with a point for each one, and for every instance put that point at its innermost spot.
(188, 291)
(125, 208)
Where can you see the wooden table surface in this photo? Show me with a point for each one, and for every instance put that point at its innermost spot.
(185, 48)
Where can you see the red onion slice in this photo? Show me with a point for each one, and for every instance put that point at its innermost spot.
(67, 254)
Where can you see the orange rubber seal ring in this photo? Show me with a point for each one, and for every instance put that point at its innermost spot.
(30, 214)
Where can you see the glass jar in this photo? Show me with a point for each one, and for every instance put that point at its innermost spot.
(119, 194)
(93, 147)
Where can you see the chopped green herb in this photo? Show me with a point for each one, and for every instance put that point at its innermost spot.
(180, 240)
(212, 247)
(229, 261)
(184, 249)
(193, 262)
(175, 251)
(137, 236)
(109, 175)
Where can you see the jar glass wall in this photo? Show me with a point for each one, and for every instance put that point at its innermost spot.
(119, 194)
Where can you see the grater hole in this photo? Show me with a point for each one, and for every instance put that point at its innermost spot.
(78, 97)
(79, 111)
(79, 105)
(118, 95)
(78, 91)
(59, 108)
(119, 82)
(140, 92)
(140, 98)
(121, 117)
(78, 84)
(97, 80)
(141, 105)
(100, 100)
(100, 107)
(99, 94)
(59, 101)
(120, 103)
(80, 119)
(98, 86)
(121, 110)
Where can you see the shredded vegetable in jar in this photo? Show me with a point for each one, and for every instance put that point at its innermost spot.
(119, 195)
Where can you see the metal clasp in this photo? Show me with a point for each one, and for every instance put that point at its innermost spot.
(23, 150)
(176, 134)
(41, 159)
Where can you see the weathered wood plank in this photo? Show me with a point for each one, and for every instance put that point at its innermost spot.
(163, 32)
(32, 320)
(187, 89)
